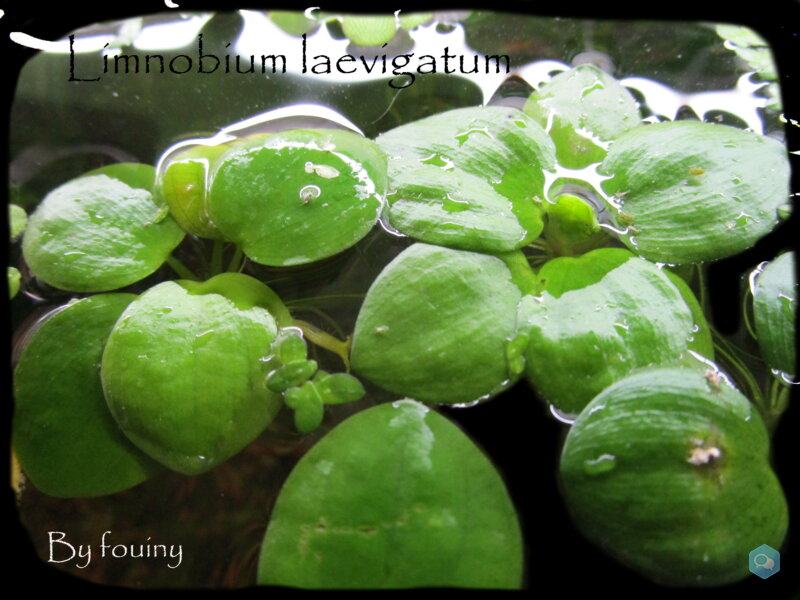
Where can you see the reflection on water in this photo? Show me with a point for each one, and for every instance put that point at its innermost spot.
(60, 131)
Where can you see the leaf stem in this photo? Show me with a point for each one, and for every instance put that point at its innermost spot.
(298, 301)
(777, 401)
(236, 262)
(216, 257)
(701, 289)
(728, 353)
(326, 340)
(746, 315)
(181, 269)
(326, 317)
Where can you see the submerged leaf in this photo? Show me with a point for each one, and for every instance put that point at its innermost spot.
(13, 281)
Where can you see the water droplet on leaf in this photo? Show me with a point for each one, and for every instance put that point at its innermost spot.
(602, 464)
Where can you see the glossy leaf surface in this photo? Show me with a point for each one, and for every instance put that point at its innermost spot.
(67, 442)
(298, 196)
(101, 231)
(183, 182)
(668, 471)
(583, 109)
(688, 191)
(774, 306)
(599, 317)
(394, 497)
(182, 371)
(701, 340)
(435, 323)
(470, 178)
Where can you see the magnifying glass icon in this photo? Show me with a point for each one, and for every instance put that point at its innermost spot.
(765, 563)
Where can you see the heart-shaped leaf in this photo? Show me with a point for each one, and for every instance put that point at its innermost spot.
(183, 371)
(101, 231)
(67, 442)
(600, 316)
(774, 306)
(394, 497)
(298, 196)
(668, 470)
(470, 178)
(687, 191)
(435, 324)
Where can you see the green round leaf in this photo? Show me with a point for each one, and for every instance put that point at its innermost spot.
(394, 497)
(570, 221)
(688, 191)
(136, 175)
(298, 196)
(369, 30)
(470, 178)
(183, 371)
(17, 221)
(63, 433)
(290, 346)
(668, 471)
(339, 388)
(291, 374)
(183, 185)
(294, 23)
(13, 281)
(774, 306)
(413, 20)
(435, 324)
(98, 232)
(309, 415)
(583, 109)
(599, 317)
